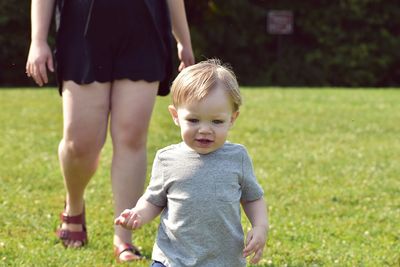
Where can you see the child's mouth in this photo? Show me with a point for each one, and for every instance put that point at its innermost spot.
(204, 141)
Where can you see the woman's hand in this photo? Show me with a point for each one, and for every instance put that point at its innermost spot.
(39, 60)
(185, 55)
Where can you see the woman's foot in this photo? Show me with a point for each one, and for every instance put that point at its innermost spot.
(126, 252)
(72, 230)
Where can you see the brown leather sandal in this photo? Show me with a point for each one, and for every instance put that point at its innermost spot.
(127, 247)
(66, 235)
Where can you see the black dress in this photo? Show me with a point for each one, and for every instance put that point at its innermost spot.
(106, 40)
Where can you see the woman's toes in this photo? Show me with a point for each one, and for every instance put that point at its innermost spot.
(74, 244)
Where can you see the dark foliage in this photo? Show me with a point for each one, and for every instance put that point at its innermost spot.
(334, 43)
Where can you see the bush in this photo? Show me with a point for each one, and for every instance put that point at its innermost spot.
(335, 43)
(14, 41)
(338, 43)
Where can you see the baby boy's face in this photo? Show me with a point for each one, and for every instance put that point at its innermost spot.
(205, 124)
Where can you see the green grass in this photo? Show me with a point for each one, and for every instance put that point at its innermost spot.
(328, 160)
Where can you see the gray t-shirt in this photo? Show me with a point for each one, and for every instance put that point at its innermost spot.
(201, 222)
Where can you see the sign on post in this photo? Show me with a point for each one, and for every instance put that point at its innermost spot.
(280, 22)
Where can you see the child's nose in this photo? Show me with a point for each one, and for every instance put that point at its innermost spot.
(204, 128)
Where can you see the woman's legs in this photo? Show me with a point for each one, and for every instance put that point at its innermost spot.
(85, 110)
(131, 107)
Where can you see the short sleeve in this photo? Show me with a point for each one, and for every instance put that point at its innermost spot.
(155, 192)
(251, 190)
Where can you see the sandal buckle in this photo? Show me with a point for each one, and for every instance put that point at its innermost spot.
(63, 234)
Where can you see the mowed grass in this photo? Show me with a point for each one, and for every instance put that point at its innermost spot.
(328, 160)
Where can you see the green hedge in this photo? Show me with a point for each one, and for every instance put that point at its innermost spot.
(14, 41)
(334, 43)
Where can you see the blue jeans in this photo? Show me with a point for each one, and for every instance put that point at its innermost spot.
(157, 264)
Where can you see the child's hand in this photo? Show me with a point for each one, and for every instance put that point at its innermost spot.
(255, 243)
(129, 219)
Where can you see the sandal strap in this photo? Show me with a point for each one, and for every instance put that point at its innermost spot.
(77, 219)
(123, 247)
(127, 247)
(74, 236)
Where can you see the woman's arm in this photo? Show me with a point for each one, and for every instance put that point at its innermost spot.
(181, 32)
(40, 55)
(41, 13)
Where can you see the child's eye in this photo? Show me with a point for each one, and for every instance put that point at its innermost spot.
(192, 120)
(218, 121)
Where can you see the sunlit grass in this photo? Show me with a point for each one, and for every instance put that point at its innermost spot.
(328, 160)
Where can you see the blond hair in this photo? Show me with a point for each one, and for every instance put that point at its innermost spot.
(196, 81)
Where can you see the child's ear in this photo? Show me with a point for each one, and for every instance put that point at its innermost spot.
(234, 117)
(174, 113)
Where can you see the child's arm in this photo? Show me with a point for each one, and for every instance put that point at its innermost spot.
(141, 214)
(257, 213)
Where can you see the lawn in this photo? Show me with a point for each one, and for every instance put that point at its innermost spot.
(328, 160)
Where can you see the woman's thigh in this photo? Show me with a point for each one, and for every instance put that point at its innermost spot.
(132, 104)
(85, 110)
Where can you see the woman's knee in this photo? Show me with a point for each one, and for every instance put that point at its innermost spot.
(80, 147)
(134, 138)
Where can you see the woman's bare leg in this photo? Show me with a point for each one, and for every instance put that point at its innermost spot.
(85, 110)
(131, 107)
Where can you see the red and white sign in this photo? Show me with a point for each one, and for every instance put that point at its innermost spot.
(280, 22)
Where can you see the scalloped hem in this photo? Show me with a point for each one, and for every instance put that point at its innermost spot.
(163, 90)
